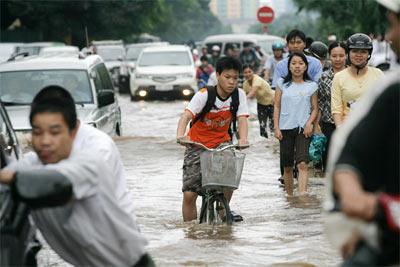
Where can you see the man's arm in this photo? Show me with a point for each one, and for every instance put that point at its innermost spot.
(38, 188)
(355, 202)
(182, 124)
(242, 130)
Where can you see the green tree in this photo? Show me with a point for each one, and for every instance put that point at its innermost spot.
(61, 20)
(345, 17)
(304, 21)
(189, 20)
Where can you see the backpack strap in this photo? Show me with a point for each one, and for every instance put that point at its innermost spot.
(211, 96)
(234, 108)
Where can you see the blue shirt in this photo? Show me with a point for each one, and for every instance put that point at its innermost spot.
(295, 103)
(281, 69)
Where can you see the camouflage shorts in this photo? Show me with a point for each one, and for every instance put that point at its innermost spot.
(192, 170)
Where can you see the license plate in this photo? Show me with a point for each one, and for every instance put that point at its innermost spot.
(164, 87)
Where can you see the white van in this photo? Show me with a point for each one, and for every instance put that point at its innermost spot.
(265, 41)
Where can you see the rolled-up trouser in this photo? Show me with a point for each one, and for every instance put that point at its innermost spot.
(294, 147)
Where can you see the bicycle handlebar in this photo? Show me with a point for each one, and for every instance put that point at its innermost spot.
(190, 142)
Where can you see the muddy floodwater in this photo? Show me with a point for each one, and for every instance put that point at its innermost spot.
(276, 231)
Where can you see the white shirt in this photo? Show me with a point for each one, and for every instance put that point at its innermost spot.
(92, 229)
(212, 80)
(92, 139)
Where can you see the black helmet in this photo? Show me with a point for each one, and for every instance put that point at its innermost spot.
(318, 49)
(359, 41)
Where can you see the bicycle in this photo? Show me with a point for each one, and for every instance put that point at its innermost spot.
(221, 169)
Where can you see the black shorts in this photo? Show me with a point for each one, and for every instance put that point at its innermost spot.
(294, 146)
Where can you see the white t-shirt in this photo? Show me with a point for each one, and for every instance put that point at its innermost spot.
(92, 229)
(92, 139)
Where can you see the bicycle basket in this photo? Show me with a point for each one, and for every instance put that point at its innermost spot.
(221, 169)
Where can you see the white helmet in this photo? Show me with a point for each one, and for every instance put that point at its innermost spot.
(393, 5)
(215, 48)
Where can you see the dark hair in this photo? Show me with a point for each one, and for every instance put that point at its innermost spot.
(288, 79)
(245, 66)
(295, 33)
(55, 99)
(204, 58)
(228, 63)
(337, 44)
(309, 41)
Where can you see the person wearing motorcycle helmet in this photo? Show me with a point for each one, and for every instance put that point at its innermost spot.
(269, 66)
(359, 50)
(363, 171)
(215, 55)
(319, 50)
(350, 84)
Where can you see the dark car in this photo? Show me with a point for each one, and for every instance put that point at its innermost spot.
(17, 234)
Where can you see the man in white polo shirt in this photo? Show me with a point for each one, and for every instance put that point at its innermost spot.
(91, 228)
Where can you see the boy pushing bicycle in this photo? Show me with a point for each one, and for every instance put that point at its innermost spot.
(211, 112)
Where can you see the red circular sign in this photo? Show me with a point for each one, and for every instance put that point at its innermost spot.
(265, 14)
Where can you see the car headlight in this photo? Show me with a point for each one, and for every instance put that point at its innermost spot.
(143, 76)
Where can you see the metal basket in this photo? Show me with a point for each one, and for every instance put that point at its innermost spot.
(221, 169)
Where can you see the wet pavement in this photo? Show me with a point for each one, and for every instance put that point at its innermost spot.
(277, 230)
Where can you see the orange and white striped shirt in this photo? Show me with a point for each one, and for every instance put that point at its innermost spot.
(213, 129)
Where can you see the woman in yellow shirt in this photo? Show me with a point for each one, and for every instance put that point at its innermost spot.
(257, 87)
(350, 84)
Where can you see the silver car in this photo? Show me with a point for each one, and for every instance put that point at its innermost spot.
(87, 79)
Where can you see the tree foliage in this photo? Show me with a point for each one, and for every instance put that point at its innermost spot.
(286, 22)
(61, 20)
(345, 17)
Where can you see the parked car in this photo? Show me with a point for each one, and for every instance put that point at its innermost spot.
(265, 41)
(7, 50)
(35, 48)
(17, 233)
(86, 78)
(164, 72)
(132, 54)
(113, 53)
(67, 50)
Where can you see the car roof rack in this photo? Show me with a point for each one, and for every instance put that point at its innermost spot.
(13, 57)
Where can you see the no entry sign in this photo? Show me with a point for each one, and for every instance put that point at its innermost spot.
(265, 14)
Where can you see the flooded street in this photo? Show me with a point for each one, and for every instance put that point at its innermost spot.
(277, 230)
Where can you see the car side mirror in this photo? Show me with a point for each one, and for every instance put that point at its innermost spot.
(93, 74)
(105, 98)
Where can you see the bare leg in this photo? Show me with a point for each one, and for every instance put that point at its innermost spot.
(303, 177)
(189, 210)
(228, 195)
(288, 177)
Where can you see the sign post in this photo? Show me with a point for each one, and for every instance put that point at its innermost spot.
(265, 15)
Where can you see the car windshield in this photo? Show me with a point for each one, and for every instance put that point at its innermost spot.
(31, 50)
(110, 53)
(20, 87)
(133, 52)
(167, 58)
